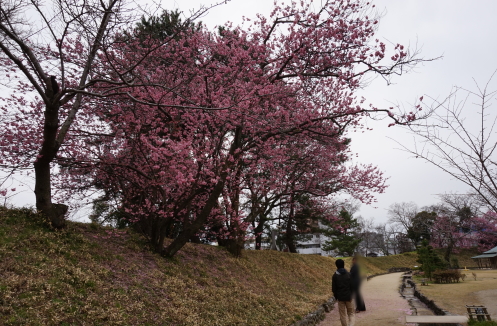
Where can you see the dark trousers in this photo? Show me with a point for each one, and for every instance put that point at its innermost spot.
(359, 302)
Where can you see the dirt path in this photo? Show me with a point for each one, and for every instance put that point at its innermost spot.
(488, 298)
(384, 305)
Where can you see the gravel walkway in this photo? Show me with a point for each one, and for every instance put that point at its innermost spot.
(488, 298)
(384, 305)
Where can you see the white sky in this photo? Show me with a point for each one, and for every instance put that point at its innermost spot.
(462, 31)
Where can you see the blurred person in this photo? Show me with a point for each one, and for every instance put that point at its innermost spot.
(341, 286)
(355, 275)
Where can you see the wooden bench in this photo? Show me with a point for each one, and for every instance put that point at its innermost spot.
(424, 281)
(437, 319)
(479, 312)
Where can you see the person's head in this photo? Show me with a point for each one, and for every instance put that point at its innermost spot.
(339, 263)
(354, 260)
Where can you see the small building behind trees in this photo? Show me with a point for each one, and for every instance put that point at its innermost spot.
(488, 259)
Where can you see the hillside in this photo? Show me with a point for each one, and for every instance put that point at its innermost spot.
(379, 265)
(92, 275)
(87, 274)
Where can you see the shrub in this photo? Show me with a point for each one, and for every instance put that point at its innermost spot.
(447, 276)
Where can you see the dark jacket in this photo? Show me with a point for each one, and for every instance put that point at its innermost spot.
(356, 277)
(341, 285)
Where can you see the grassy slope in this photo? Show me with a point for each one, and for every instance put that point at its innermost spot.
(89, 275)
(379, 265)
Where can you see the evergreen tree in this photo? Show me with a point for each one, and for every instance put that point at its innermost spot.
(421, 227)
(341, 233)
(429, 259)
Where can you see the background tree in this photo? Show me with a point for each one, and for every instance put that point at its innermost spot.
(404, 244)
(402, 214)
(386, 240)
(429, 259)
(421, 226)
(342, 236)
(365, 234)
(460, 139)
(457, 224)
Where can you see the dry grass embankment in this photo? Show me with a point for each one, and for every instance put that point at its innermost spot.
(87, 275)
(379, 265)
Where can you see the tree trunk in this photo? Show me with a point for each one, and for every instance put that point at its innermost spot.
(290, 241)
(258, 238)
(448, 252)
(193, 227)
(43, 183)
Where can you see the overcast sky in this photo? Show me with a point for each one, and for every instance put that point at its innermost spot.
(460, 31)
(463, 32)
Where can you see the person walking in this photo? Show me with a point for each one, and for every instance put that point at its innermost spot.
(341, 285)
(355, 275)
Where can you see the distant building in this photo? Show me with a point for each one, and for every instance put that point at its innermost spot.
(488, 259)
(312, 246)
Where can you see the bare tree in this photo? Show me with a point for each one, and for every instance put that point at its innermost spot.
(366, 234)
(381, 241)
(395, 235)
(402, 214)
(460, 138)
(387, 241)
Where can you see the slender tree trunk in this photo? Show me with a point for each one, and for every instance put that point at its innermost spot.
(237, 242)
(43, 182)
(258, 238)
(290, 240)
(290, 243)
(448, 252)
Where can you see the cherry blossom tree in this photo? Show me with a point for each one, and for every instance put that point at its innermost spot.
(459, 224)
(175, 129)
(235, 93)
(51, 54)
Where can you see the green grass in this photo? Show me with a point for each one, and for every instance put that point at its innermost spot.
(481, 323)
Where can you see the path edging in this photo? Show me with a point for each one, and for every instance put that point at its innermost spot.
(317, 316)
(429, 303)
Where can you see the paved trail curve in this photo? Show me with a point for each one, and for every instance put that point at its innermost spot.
(384, 305)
